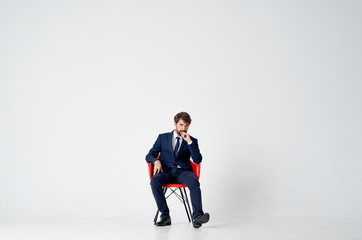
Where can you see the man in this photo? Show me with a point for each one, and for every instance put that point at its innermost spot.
(176, 148)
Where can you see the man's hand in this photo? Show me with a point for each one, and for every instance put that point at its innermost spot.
(157, 167)
(186, 136)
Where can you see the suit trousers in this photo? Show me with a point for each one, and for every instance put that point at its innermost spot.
(185, 177)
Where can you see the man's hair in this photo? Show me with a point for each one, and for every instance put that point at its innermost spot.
(184, 116)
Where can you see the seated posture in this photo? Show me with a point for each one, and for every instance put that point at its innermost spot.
(176, 148)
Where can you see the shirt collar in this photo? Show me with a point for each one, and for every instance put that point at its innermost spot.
(175, 135)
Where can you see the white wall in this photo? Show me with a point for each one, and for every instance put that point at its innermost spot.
(273, 88)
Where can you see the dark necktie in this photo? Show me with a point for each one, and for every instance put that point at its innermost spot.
(177, 146)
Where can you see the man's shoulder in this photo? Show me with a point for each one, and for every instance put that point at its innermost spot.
(166, 134)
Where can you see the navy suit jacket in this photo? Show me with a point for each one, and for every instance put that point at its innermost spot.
(163, 145)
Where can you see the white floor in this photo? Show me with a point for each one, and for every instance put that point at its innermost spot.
(238, 228)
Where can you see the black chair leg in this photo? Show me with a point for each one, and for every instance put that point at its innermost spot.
(156, 216)
(188, 204)
(184, 202)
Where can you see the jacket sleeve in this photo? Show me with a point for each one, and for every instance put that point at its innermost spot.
(154, 151)
(195, 151)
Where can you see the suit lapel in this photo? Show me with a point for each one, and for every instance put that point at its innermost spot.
(182, 146)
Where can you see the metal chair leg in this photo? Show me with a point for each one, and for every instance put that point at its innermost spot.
(184, 202)
(156, 216)
(188, 204)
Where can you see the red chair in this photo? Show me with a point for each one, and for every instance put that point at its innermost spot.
(174, 186)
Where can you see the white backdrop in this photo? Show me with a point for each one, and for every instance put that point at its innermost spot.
(273, 88)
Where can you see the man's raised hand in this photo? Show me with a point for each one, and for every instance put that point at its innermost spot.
(186, 136)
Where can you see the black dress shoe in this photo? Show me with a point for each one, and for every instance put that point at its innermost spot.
(164, 222)
(200, 219)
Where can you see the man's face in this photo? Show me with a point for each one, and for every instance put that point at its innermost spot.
(181, 126)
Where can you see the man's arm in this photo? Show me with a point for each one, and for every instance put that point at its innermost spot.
(195, 151)
(152, 156)
(193, 147)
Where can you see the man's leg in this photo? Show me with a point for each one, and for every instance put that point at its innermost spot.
(157, 181)
(190, 180)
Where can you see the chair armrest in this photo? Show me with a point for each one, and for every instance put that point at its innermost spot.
(150, 170)
(150, 167)
(196, 167)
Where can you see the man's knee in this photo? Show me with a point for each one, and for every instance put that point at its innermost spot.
(155, 181)
(192, 182)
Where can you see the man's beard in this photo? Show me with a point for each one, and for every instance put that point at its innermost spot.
(181, 131)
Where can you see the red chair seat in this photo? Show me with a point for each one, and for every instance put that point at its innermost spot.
(174, 185)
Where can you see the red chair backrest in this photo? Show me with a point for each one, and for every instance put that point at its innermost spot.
(195, 168)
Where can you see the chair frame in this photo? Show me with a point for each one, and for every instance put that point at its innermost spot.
(177, 186)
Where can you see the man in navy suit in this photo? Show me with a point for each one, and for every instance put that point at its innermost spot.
(176, 148)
